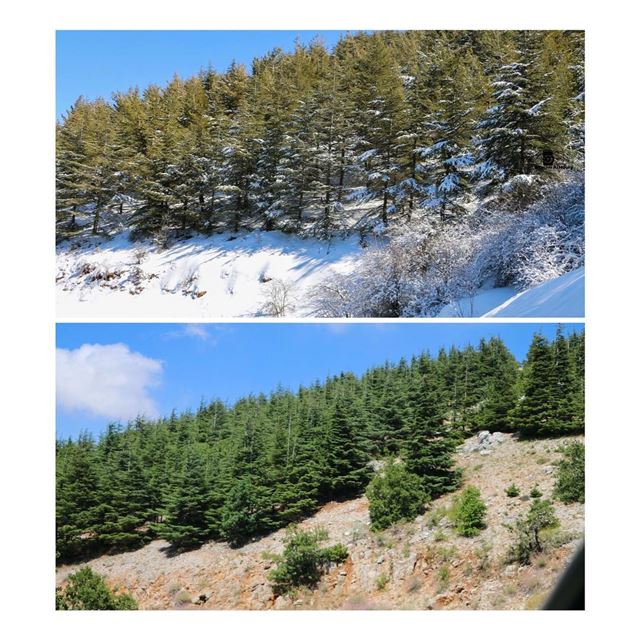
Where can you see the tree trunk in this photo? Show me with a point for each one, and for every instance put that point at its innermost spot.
(341, 176)
(96, 220)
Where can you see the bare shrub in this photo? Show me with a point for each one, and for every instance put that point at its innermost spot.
(278, 298)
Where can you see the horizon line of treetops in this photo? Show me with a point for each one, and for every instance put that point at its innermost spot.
(394, 123)
(236, 472)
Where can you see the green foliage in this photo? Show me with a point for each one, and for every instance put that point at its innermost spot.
(512, 491)
(415, 120)
(469, 512)
(394, 495)
(552, 400)
(87, 590)
(535, 492)
(431, 442)
(382, 581)
(444, 575)
(303, 561)
(569, 485)
(234, 472)
(528, 529)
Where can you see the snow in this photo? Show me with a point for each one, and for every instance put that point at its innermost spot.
(562, 297)
(478, 305)
(201, 277)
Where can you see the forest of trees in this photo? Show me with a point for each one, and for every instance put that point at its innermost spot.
(402, 123)
(233, 472)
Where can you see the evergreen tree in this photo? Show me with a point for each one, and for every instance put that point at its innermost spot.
(187, 523)
(534, 414)
(76, 497)
(430, 442)
(346, 457)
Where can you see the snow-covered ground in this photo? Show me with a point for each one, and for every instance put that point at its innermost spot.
(561, 297)
(202, 277)
(233, 276)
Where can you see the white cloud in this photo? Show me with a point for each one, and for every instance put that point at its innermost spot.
(196, 331)
(110, 381)
(204, 332)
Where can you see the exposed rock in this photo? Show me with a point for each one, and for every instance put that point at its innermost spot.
(407, 558)
(484, 441)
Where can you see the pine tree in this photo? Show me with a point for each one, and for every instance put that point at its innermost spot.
(499, 370)
(382, 111)
(123, 508)
(444, 167)
(187, 523)
(430, 442)
(346, 457)
(534, 414)
(76, 497)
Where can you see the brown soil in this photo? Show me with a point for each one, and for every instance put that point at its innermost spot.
(419, 565)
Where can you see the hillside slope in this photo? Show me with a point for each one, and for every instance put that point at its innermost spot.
(560, 297)
(218, 276)
(418, 565)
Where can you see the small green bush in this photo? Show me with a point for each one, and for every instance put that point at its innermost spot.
(512, 491)
(86, 590)
(395, 495)
(469, 512)
(570, 476)
(303, 561)
(535, 492)
(444, 575)
(541, 517)
(382, 581)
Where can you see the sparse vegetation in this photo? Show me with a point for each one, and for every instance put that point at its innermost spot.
(278, 300)
(382, 581)
(86, 590)
(440, 535)
(446, 554)
(529, 529)
(444, 575)
(535, 601)
(483, 553)
(535, 492)
(469, 512)
(435, 516)
(512, 491)
(303, 560)
(394, 495)
(569, 485)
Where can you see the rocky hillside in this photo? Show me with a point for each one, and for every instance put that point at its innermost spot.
(419, 565)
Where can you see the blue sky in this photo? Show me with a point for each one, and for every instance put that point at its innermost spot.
(105, 370)
(97, 63)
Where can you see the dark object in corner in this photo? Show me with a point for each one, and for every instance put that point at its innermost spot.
(548, 158)
(568, 594)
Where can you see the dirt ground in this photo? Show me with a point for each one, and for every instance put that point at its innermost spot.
(423, 564)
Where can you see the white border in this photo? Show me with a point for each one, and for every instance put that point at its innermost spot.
(28, 114)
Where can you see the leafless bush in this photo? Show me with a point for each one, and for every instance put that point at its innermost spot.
(278, 298)
(419, 271)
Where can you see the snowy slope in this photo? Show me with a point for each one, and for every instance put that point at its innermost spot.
(475, 306)
(220, 276)
(561, 297)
